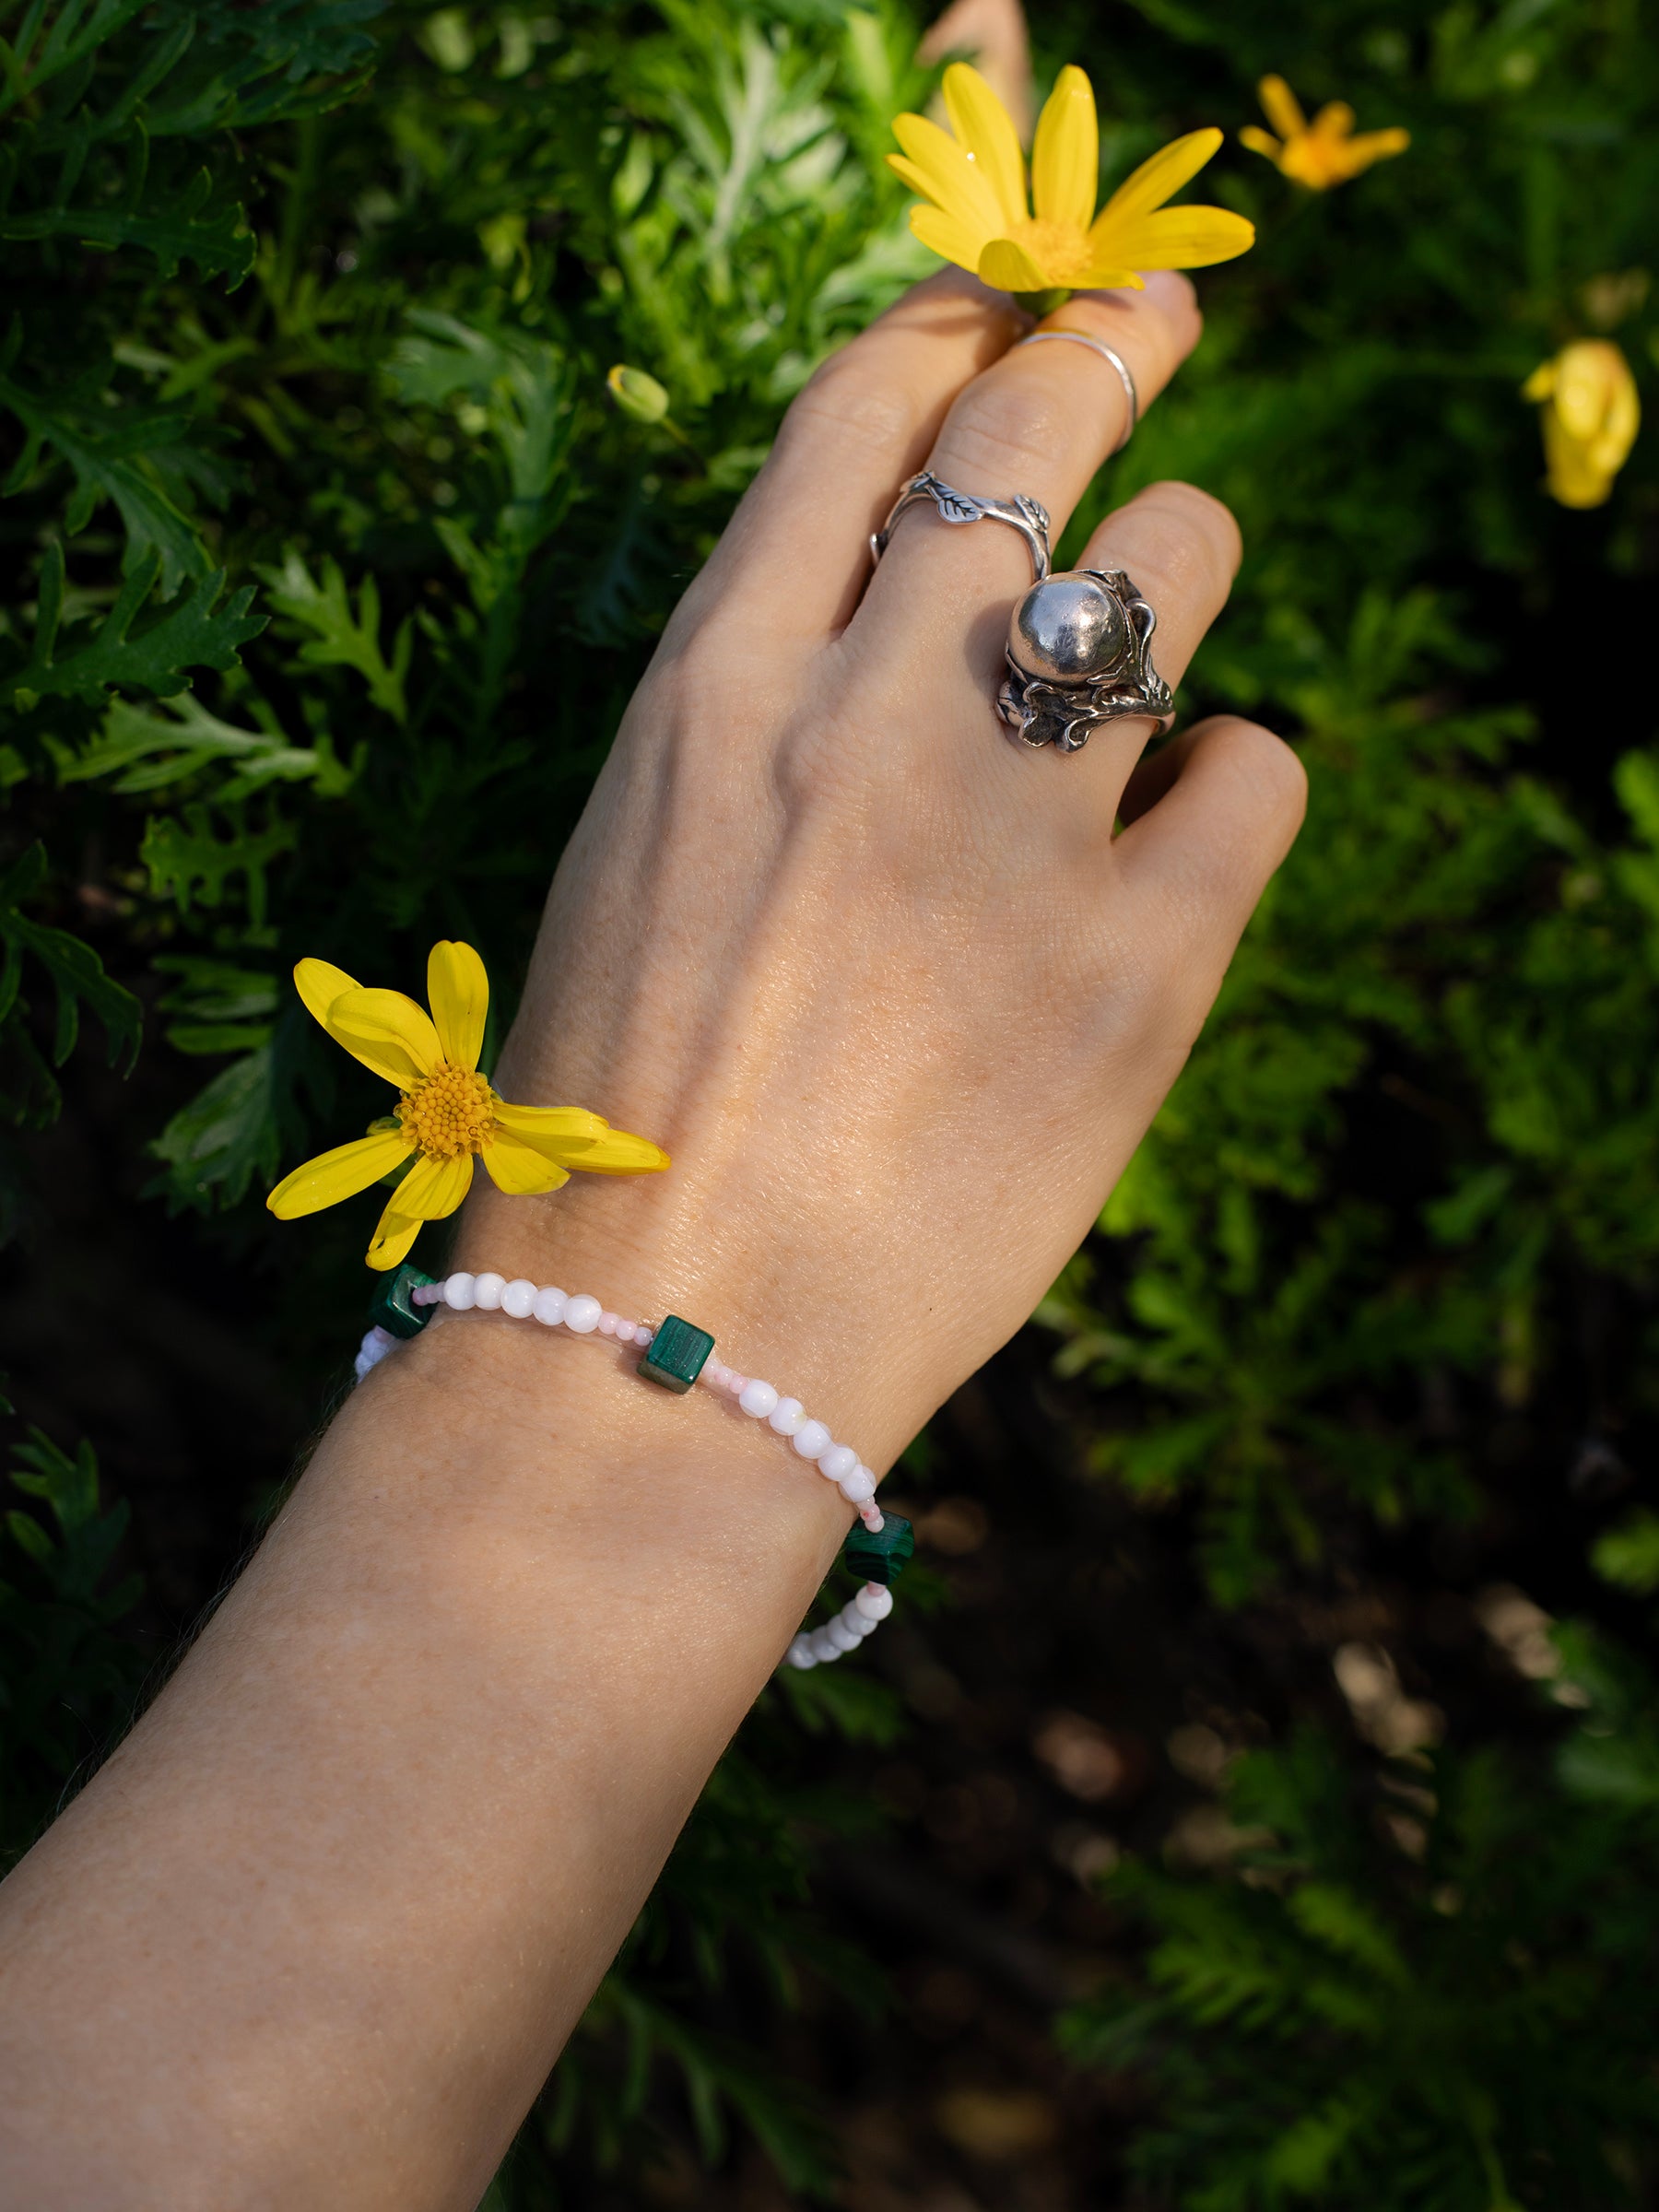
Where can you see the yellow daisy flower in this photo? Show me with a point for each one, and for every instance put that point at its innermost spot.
(978, 216)
(1591, 417)
(447, 1113)
(1321, 153)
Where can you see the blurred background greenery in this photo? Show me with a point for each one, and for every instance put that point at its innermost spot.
(1263, 1808)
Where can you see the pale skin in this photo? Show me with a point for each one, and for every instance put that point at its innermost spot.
(900, 1005)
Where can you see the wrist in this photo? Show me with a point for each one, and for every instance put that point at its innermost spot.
(646, 1250)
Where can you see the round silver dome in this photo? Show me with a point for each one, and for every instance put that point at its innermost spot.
(1067, 629)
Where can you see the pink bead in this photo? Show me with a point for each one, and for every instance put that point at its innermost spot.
(608, 1325)
(870, 1513)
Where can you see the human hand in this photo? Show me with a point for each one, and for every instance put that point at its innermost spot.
(893, 995)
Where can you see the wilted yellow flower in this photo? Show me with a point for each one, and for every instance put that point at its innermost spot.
(1591, 417)
(979, 216)
(1321, 153)
(447, 1115)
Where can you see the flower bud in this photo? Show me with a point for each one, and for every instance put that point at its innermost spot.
(1591, 417)
(636, 393)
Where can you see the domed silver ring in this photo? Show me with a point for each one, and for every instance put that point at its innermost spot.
(1026, 516)
(1080, 653)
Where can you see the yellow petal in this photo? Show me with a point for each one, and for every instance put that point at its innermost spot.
(519, 1168)
(1541, 382)
(1281, 108)
(319, 984)
(458, 993)
(1260, 143)
(947, 235)
(1152, 183)
(1010, 268)
(387, 1033)
(393, 1238)
(986, 129)
(1574, 479)
(1101, 276)
(947, 175)
(335, 1175)
(1175, 238)
(552, 1124)
(1065, 158)
(1335, 119)
(1373, 146)
(579, 1140)
(1377, 146)
(618, 1153)
(434, 1187)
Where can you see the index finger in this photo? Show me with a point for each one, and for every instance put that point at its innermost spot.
(795, 555)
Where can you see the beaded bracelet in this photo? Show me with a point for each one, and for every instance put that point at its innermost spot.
(676, 1355)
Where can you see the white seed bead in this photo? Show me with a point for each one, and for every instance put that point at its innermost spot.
(786, 1415)
(548, 1307)
(854, 1621)
(838, 1462)
(487, 1292)
(758, 1398)
(458, 1292)
(811, 1438)
(581, 1314)
(822, 1646)
(858, 1485)
(841, 1636)
(518, 1297)
(800, 1653)
(874, 1602)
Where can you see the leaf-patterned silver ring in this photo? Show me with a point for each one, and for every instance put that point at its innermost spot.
(1029, 516)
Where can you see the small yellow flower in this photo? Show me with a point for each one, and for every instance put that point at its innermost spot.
(1591, 417)
(1321, 153)
(447, 1114)
(979, 218)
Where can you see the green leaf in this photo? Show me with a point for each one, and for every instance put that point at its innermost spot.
(341, 638)
(76, 971)
(225, 1139)
(192, 632)
(112, 453)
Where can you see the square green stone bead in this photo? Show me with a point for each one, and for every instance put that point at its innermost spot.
(392, 1308)
(676, 1354)
(880, 1555)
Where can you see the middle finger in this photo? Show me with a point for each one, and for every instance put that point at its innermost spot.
(1040, 420)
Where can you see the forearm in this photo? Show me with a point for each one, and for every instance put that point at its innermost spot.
(360, 1869)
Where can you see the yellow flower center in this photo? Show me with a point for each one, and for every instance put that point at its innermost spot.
(1060, 249)
(451, 1113)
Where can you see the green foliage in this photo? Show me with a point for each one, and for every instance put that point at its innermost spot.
(1417, 1986)
(67, 1674)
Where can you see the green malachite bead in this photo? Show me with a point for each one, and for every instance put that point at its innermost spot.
(391, 1309)
(880, 1555)
(676, 1354)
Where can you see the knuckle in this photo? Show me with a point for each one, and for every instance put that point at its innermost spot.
(1203, 521)
(1271, 770)
(999, 424)
(843, 400)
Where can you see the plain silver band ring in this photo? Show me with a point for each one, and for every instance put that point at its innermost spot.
(1078, 337)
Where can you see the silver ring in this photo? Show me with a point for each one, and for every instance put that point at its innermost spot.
(1029, 516)
(1078, 337)
(1080, 654)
